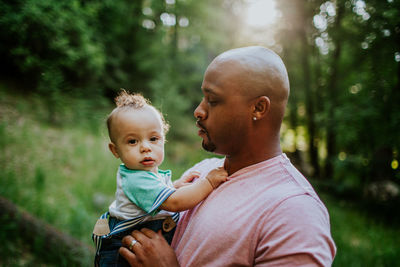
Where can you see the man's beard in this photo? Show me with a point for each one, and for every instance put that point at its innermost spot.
(210, 146)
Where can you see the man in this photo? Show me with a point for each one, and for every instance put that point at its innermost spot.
(266, 214)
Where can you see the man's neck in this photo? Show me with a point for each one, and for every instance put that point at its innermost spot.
(233, 163)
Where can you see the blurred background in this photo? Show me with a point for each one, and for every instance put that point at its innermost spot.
(63, 61)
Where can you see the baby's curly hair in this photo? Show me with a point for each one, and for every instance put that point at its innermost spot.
(126, 100)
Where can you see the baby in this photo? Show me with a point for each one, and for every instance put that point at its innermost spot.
(145, 195)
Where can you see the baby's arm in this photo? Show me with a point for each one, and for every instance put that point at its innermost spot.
(189, 196)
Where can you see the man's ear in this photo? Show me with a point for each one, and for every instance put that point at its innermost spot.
(113, 149)
(261, 107)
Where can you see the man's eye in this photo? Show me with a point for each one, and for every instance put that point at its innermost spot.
(212, 102)
(132, 141)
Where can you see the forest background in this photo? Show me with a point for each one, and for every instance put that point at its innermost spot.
(63, 61)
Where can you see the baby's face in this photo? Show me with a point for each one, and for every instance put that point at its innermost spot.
(139, 138)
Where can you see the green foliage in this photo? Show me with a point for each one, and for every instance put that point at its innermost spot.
(368, 115)
(352, 91)
(91, 49)
(52, 45)
(361, 240)
(52, 41)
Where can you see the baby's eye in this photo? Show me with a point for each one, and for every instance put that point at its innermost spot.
(154, 139)
(132, 141)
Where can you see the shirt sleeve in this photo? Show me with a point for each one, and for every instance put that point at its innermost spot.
(296, 233)
(166, 175)
(145, 190)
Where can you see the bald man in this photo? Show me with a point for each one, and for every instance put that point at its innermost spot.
(267, 213)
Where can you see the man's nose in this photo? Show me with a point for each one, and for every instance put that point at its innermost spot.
(200, 112)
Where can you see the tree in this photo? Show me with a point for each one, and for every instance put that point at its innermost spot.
(348, 83)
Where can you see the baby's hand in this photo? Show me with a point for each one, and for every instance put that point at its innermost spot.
(217, 177)
(186, 179)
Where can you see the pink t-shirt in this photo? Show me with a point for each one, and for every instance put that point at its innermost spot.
(267, 214)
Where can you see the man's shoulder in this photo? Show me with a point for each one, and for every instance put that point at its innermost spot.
(205, 166)
(208, 164)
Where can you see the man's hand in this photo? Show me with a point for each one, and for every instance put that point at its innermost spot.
(151, 249)
(187, 179)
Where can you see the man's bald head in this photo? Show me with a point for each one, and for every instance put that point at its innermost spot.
(240, 116)
(261, 71)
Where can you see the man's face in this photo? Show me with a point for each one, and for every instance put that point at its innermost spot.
(139, 139)
(223, 115)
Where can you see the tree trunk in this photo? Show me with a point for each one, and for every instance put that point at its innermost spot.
(308, 88)
(333, 95)
(45, 240)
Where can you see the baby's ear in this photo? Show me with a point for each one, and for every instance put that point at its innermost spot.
(113, 149)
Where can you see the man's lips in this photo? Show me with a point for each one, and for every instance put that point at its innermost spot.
(201, 132)
(202, 129)
(147, 161)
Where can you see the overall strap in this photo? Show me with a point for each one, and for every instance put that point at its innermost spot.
(121, 226)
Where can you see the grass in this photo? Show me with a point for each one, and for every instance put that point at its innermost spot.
(361, 240)
(65, 175)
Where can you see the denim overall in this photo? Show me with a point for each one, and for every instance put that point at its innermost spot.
(107, 246)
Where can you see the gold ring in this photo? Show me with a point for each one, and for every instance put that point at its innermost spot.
(134, 241)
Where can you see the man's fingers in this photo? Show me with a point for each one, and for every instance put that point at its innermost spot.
(129, 242)
(143, 235)
(151, 249)
(129, 256)
(145, 243)
(149, 233)
(134, 244)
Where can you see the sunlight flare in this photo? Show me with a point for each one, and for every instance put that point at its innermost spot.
(260, 13)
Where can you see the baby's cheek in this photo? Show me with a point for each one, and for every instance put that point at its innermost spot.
(161, 155)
